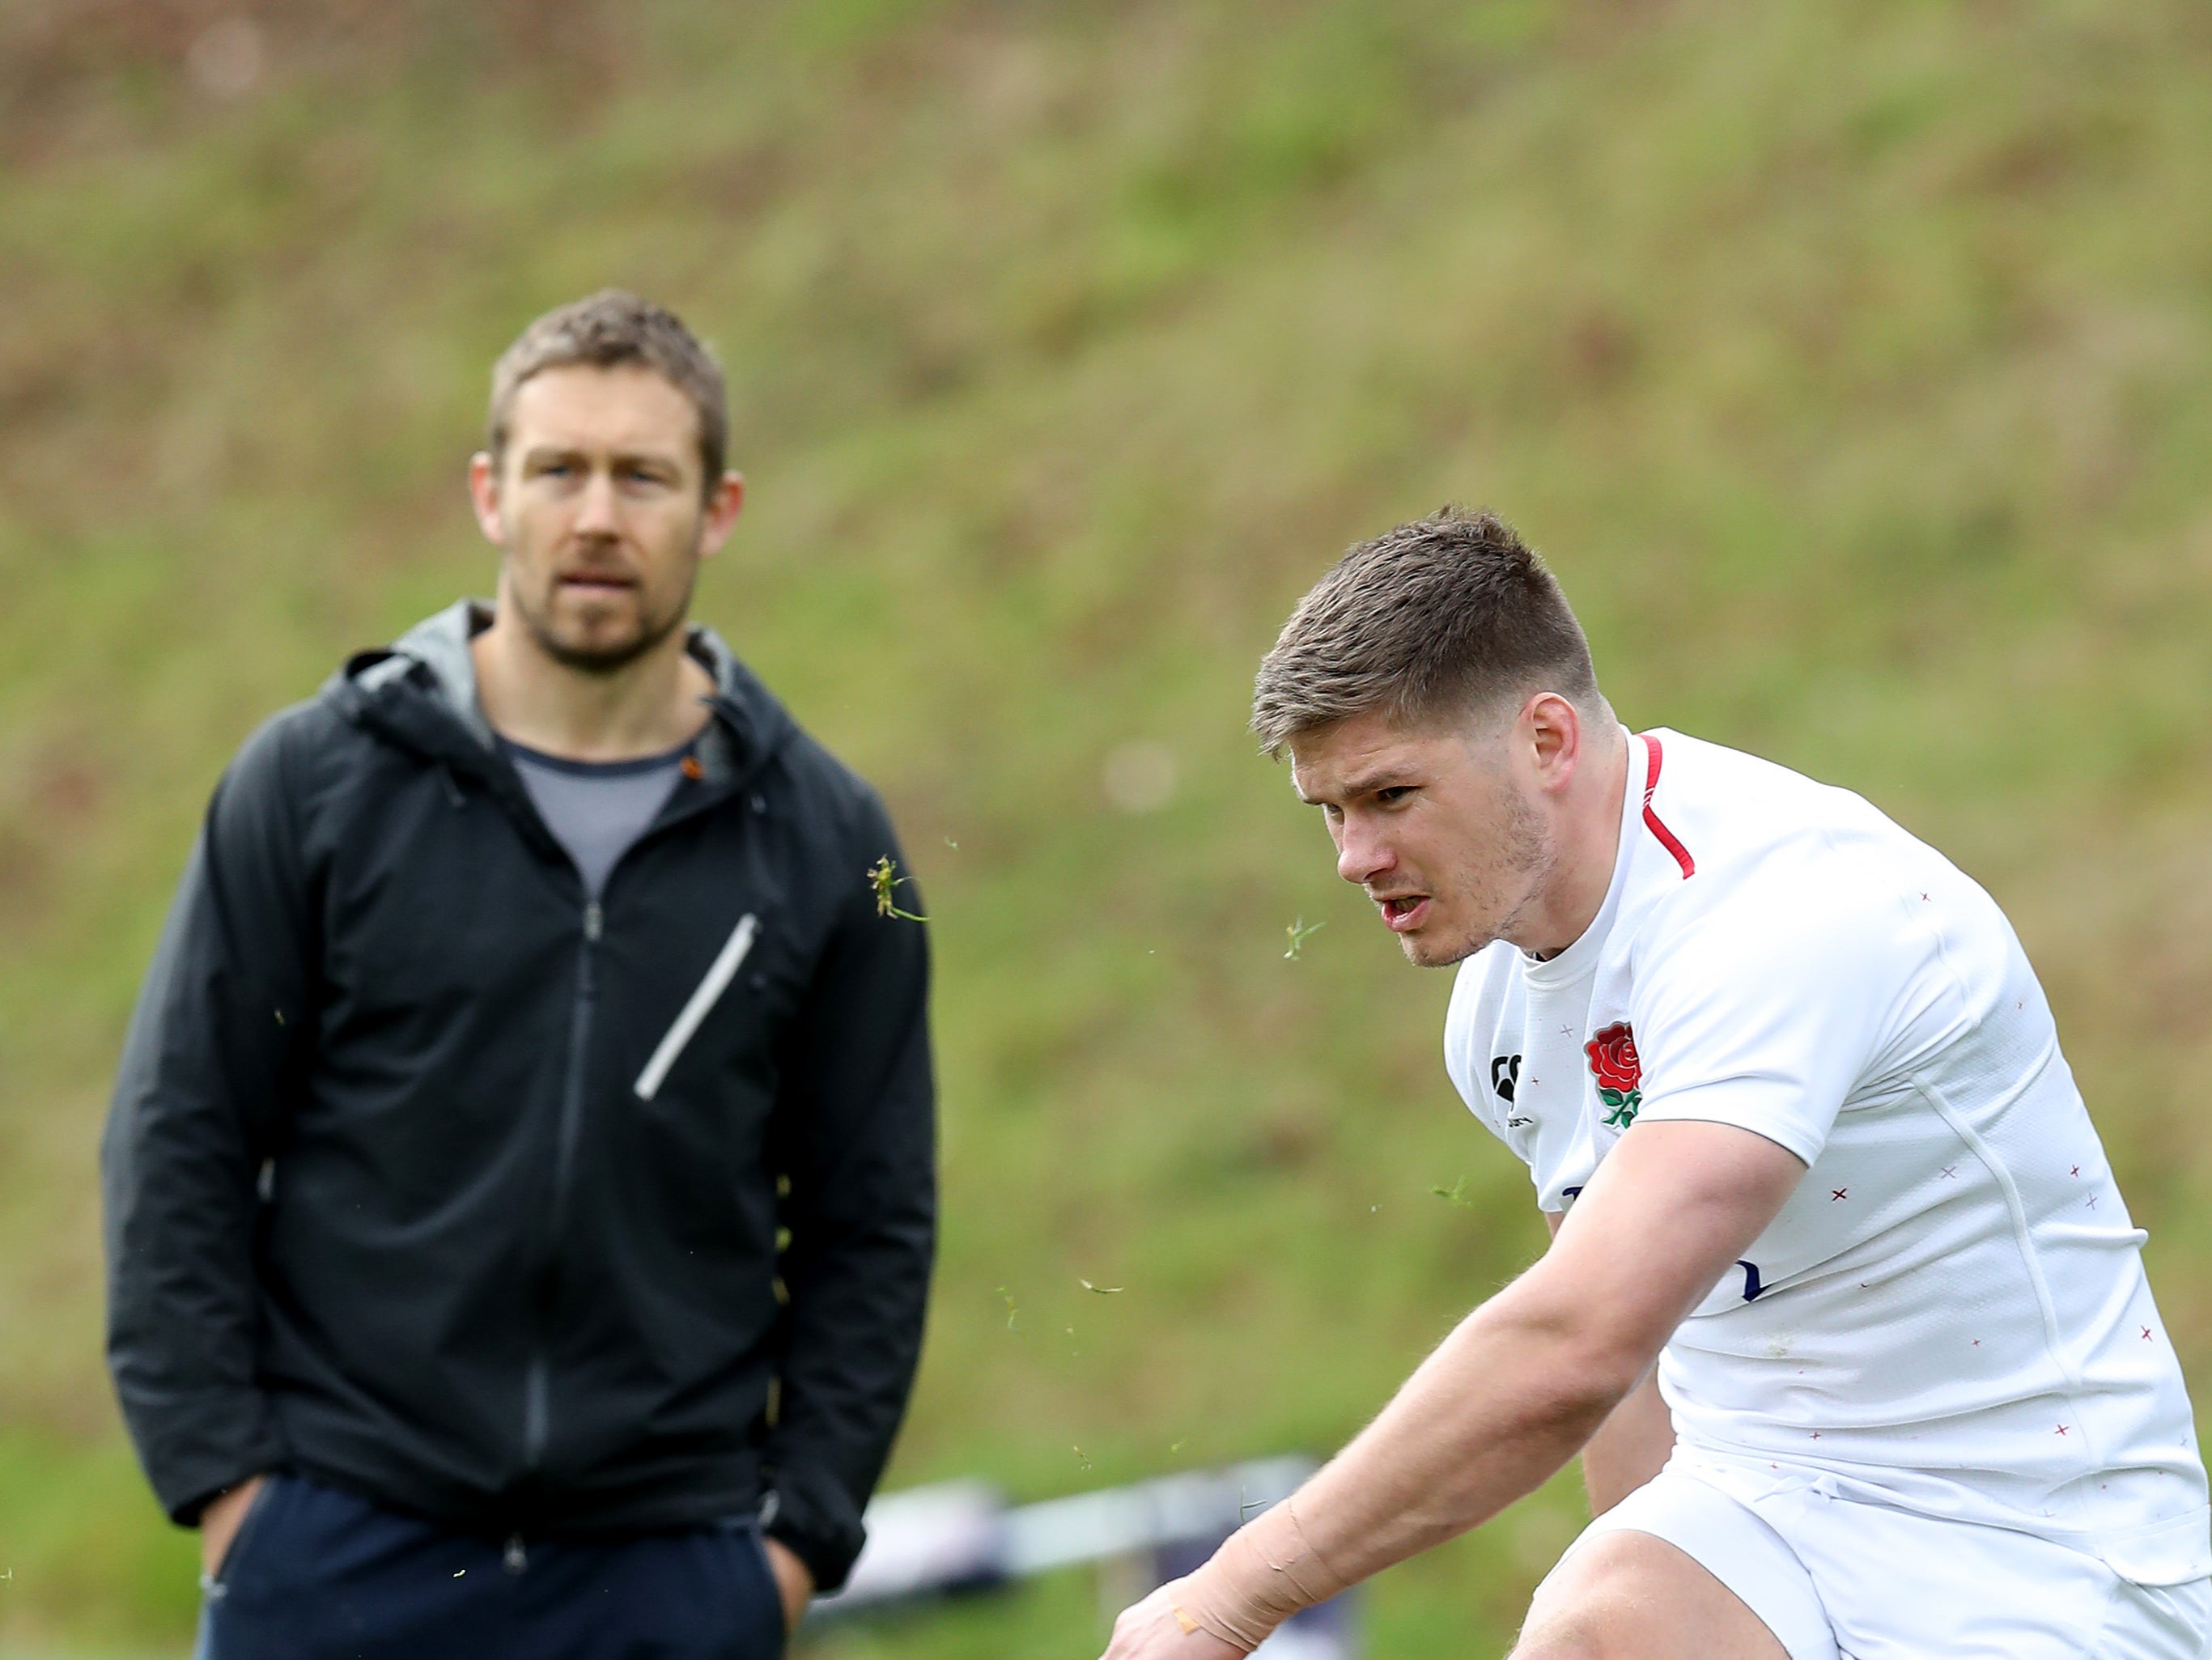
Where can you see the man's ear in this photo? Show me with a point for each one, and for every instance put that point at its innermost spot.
(1554, 735)
(484, 496)
(723, 508)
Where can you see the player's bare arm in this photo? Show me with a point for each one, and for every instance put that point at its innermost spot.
(1505, 1402)
(1633, 1443)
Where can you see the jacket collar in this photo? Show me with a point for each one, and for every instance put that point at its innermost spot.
(420, 692)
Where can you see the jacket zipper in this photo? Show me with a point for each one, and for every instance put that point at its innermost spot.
(536, 1405)
(538, 1375)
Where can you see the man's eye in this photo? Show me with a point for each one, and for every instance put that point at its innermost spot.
(1393, 793)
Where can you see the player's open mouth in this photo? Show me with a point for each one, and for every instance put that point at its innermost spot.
(1405, 912)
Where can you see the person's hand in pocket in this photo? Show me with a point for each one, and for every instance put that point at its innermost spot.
(794, 1582)
(219, 1522)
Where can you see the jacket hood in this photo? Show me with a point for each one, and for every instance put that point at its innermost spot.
(420, 692)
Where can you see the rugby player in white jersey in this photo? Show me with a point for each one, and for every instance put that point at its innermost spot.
(1842, 1309)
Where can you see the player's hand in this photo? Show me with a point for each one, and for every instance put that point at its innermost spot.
(794, 1581)
(1149, 1630)
(220, 1521)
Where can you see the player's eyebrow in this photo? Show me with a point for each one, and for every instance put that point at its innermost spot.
(1358, 784)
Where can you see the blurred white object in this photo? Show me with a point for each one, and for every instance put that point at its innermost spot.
(1197, 1509)
(927, 1541)
(1298, 1641)
(226, 59)
(1139, 776)
(962, 1535)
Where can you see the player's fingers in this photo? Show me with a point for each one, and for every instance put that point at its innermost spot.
(1127, 1625)
(1138, 1634)
(1151, 1630)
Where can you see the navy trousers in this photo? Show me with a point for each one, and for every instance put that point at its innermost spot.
(318, 1574)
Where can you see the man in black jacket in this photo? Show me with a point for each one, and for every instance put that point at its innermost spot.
(519, 1187)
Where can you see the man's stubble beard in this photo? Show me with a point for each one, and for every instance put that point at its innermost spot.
(612, 658)
(1525, 860)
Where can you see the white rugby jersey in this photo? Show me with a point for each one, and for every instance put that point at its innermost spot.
(1949, 1314)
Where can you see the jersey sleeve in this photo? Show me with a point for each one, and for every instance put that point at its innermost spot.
(1766, 1013)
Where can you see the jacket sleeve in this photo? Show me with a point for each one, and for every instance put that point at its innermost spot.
(858, 1140)
(214, 1046)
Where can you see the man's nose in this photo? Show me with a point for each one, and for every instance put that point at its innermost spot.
(1361, 856)
(595, 512)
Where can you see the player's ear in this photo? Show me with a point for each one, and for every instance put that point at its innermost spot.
(483, 496)
(1552, 729)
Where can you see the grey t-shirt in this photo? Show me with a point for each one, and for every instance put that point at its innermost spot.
(597, 809)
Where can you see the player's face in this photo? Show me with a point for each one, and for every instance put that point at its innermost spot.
(1434, 826)
(598, 509)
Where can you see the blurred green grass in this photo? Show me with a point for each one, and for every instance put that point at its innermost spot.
(1850, 359)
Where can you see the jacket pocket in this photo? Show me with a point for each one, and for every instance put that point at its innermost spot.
(720, 973)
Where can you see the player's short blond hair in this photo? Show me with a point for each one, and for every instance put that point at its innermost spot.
(605, 330)
(1445, 616)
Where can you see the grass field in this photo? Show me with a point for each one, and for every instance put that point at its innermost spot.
(1848, 360)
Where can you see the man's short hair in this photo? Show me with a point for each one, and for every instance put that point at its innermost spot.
(1443, 616)
(606, 331)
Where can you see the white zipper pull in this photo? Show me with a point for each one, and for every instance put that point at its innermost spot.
(592, 920)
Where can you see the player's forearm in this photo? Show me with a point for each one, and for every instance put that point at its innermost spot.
(1524, 1382)
(1501, 1405)
(1496, 1411)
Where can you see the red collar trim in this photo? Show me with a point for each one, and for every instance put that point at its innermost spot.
(1651, 822)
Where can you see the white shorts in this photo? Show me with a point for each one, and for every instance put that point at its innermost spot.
(1835, 1578)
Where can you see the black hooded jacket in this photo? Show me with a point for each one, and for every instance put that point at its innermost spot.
(426, 1178)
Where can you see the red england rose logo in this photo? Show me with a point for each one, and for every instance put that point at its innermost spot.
(1613, 1062)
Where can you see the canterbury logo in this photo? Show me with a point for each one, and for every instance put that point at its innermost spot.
(1505, 1076)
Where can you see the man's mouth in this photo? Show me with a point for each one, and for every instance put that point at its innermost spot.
(597, 583)
(1402, 913)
